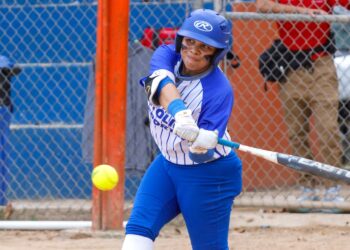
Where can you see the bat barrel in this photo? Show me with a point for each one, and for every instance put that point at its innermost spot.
(314, 167)
(293, 162)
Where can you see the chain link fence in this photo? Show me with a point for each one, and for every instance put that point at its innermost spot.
(262, 115)
(46, 165)
(53, 42)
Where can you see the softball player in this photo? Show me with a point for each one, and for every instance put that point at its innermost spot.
(190, 102)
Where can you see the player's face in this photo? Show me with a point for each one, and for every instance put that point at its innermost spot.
(196, 56)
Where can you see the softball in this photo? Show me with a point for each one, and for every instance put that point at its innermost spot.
(104, 177)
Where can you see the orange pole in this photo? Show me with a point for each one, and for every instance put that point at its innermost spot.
(110, 111)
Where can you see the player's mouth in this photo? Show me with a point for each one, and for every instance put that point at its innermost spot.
(193, 59)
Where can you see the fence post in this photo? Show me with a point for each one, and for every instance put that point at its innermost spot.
(110, 112)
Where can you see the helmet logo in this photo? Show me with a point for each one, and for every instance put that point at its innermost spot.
(203, 26)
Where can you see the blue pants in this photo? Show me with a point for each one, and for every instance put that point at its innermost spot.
(5, 117)
(203, 193)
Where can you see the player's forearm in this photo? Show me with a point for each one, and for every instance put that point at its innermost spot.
(266, 6)
(161, 90)
(168, 94)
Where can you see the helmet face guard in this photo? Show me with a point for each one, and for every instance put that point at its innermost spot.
(209, 27)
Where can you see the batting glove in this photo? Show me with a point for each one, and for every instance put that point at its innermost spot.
(205, 140)
(185, 125)
(152, 82)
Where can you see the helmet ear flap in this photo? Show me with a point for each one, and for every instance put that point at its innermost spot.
(219, 55)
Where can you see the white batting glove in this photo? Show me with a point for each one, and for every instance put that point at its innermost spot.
(205, 140)
(185, 125)
(151, 84)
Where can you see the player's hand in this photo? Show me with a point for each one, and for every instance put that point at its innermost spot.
(185, 125)
(206, 139)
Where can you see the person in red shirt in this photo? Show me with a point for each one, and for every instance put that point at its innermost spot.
(310, 90)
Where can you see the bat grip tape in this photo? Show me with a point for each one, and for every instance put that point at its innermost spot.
(228, 143)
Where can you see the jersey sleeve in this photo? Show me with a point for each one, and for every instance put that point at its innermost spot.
(218, 101)
(164, 57)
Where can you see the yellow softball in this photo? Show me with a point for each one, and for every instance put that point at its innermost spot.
(104, 177)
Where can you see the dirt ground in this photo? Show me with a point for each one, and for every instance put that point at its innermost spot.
(250, 230)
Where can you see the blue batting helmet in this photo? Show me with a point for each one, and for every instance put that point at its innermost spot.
(209, 27)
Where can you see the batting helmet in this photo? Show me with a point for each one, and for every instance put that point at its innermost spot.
(209, 27)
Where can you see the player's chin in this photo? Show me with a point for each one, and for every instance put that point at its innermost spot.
(194, 66)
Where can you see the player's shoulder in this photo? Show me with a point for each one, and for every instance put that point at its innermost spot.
(217, 80)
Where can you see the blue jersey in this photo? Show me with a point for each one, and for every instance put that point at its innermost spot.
(209, 96)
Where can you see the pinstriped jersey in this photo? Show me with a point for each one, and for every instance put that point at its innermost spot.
(209, 96)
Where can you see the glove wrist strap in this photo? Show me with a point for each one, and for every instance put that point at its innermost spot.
(176, 106)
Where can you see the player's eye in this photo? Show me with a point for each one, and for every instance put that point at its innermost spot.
(207, 49)
(190, 41)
